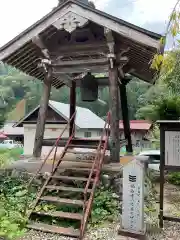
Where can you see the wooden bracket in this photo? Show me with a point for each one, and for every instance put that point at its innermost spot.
(111, 45)
(123, 60)
(46, 62)
(37, 40)
(123, 51)
(125, 80)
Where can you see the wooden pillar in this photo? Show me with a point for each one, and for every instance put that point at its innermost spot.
(125, 115)
(72, 106)
(40, 127)
(114, 111)
(114, 96)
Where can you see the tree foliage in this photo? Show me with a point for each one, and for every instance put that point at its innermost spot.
(162, 100)
(173, 30)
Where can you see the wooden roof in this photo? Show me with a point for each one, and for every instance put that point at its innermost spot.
(23, 54)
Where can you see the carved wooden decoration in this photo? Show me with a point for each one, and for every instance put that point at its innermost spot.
(70, 22)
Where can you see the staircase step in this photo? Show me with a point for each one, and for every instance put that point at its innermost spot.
(71, 178)
(82, 153)
(70, 189)
(54, 229)
(80, 169)
(62, 200)
(75, 216)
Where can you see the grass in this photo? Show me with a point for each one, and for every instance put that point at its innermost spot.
(9, 155)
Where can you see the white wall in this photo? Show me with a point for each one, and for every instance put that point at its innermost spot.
(139, 135)
(51, 131)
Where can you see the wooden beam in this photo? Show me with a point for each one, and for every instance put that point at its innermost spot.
(72, 107)
(95, 47)
(79, 66)
(125, 115)
(40, 127)
(96, 69)
(79, 63)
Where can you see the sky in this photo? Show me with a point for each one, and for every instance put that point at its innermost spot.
(17, 15)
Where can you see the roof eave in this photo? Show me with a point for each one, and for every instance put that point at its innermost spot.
(20, 123)
(152, 35)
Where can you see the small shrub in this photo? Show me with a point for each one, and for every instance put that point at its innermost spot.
(105, 207)
(13, 200)
(7, 156)
(174, 178)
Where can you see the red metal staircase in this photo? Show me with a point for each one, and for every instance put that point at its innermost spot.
(68, 196)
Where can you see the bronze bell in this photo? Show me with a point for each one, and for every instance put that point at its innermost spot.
(89, 88)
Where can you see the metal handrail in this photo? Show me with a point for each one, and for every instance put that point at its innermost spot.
(94, 163)
(54, 170)
(97, 160)
(72, 135)
(46, 158)
(55, 144)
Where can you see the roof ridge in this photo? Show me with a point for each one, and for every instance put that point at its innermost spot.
(76, 106)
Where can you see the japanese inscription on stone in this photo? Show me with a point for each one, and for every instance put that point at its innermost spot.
(133, 197)
(172, 148)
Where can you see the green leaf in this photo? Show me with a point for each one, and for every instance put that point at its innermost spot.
(21, 193)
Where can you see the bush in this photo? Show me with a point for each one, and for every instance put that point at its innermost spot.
(105, 207)
(8, 156)
(13, 200)
(174, 178)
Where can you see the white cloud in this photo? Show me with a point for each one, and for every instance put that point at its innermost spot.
(17, 15)
(101, 4)
(151, 11)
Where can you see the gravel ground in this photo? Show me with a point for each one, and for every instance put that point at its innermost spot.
(171, 230)
(104, 233)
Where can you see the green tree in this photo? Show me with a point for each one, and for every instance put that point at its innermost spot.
(162, 100)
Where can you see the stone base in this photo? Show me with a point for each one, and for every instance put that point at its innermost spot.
(139, 236)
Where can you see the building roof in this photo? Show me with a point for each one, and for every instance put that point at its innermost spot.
(9, 129)
(85, 119)
(23, 54)
(2, 136)
(137, 125)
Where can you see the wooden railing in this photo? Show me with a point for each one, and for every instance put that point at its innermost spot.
(97, 166)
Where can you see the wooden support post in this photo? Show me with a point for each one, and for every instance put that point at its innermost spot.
(125, 115)
(114, 110)
(114, 97)
(40, 127)
(72, 106)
